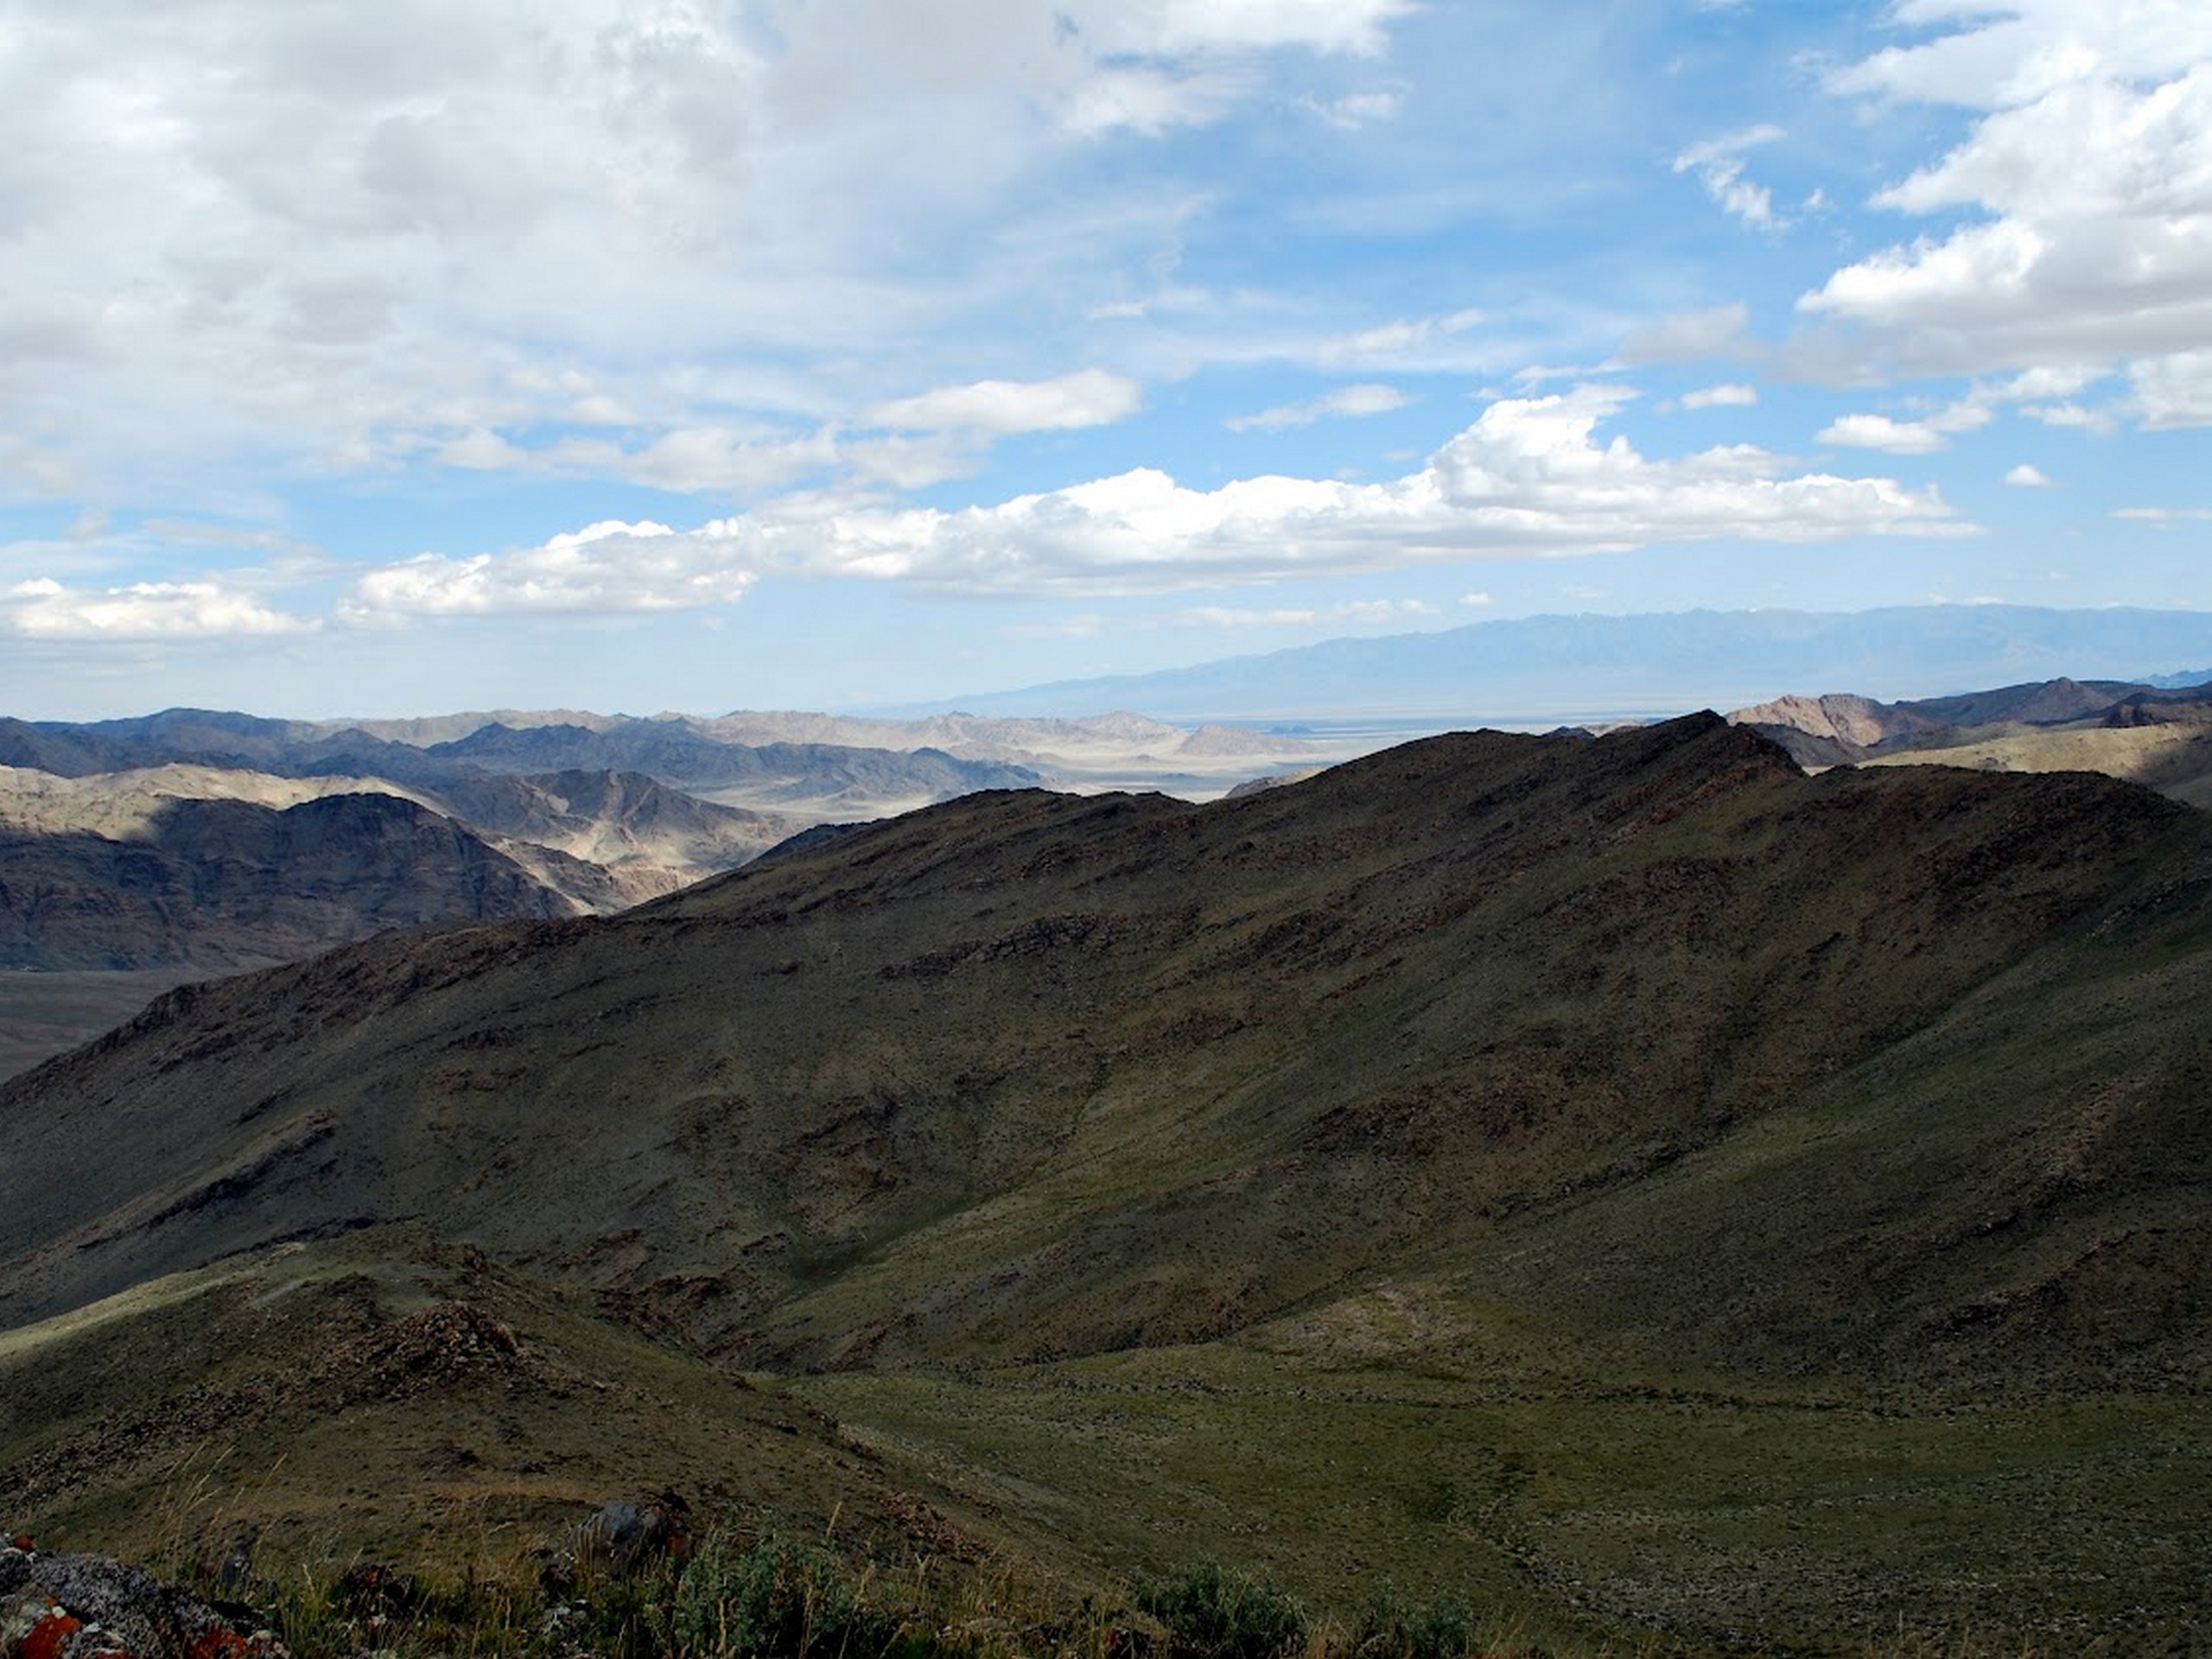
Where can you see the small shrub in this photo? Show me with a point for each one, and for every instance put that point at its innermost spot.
(625, 1614)
(780, 1600)
(1389, 1627)
(1219, 1614)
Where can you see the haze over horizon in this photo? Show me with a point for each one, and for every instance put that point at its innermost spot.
(701, 356)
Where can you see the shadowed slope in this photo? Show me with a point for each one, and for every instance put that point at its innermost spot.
(223, 884)
(1027, 1075)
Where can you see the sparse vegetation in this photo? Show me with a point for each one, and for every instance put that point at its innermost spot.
(754, 1589)
(779, 1598)
(1212, 1612)
(1623, 1186)
(1389, 1626)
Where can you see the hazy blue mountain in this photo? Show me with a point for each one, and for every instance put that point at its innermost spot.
(673, 751)
(1546, 667)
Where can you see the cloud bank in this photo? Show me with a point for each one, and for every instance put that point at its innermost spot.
(43, 608)
(667, 241)
(1528, 480)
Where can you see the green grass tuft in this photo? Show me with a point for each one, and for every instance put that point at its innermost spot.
(1215, 1613)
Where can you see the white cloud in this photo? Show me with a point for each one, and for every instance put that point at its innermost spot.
(1356, 612)
(2086, 181)
(372, 237)
(1921, 437)
(43, 608)
(1178, 26)
(2175, 390)
(1357, 110)
(1531, 375)
(1528, 480)
(999, 408)
(606, 567)
(2028, 476)
(1718, 164)
(1724, 396)
(686, 459)
(1880, 432)
(1145, 100)
(1421, 343)
(1350, 402)
(1998, 56)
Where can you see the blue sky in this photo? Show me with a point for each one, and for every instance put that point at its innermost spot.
(643, 354)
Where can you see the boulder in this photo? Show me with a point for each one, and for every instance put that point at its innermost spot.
(77, 1606)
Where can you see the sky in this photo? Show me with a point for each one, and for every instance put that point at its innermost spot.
(705, 354)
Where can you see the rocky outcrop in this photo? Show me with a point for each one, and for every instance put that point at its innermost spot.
(1847, 727)
(76, 1606)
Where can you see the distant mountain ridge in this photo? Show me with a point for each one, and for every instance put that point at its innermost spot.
(1837, 727)
(674, 751)
(2157, 736)
(1537, 670)
(223, 884)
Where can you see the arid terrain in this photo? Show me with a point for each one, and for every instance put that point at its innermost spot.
(2157, 736)
(1625, 1182)
(190, 843)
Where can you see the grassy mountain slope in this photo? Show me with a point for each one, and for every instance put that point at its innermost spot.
(1123, 1051)
(1423, 1165)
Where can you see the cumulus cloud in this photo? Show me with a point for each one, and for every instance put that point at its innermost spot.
(2009, 54)
(1352, 402)
(1529, 479)
(43, 608)
(2086, 188)
(2175, 390)
(609, 567)
(1718, 163)
(2028, 476)
(1921, 437)
(1880, 432)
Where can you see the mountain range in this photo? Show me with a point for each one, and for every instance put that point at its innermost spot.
(2161, 736)
(1624, 1178)
(137, 875)
(137, 851)
(1544, 669)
